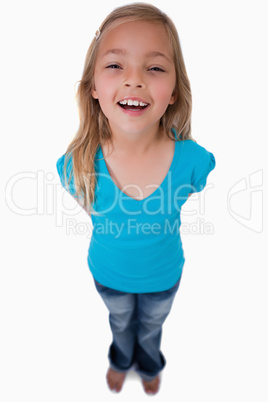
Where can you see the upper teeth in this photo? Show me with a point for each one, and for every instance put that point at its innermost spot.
(130, 102)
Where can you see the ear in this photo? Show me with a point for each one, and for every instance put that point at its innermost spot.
(172, 99)
(94, 94)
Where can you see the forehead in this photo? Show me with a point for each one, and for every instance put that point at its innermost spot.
(137, 36)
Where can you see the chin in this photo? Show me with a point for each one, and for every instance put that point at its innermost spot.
(130, 129)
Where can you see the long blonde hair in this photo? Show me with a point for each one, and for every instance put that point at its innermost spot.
(94, 128)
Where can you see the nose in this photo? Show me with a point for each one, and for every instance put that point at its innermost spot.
(134, 86)
(134, 79)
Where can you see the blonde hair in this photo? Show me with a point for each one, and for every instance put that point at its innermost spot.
(94, 128)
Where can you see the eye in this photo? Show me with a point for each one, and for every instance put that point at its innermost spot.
(113, 66)
(156, 69)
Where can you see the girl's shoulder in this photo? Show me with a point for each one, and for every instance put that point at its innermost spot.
(194, 151)
(190, 145)
(61, 161)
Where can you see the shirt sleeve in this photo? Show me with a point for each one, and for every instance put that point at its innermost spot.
(204, 163)
(68, 182)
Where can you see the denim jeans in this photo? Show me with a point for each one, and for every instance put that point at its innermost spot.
(136, 321)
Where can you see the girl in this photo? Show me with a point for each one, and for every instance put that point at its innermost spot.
(131, 166)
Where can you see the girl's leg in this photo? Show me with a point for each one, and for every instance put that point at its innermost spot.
(122, 318)
(152, 310)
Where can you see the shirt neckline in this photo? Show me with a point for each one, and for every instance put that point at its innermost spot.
(127, 197)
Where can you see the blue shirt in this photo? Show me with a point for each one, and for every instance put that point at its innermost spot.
(135, 245)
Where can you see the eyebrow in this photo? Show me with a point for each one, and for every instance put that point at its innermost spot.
(114, 51)
(123, 52)
(158, 54)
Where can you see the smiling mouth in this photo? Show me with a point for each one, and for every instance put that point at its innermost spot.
(133, 105)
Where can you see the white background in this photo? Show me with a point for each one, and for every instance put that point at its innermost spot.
(54, 328)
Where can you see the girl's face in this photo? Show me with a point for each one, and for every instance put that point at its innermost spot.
(135, 77)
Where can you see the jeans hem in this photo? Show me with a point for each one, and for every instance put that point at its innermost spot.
(147, 377)
(120, 370)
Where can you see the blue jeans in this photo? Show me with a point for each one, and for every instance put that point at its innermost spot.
(136, 323)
